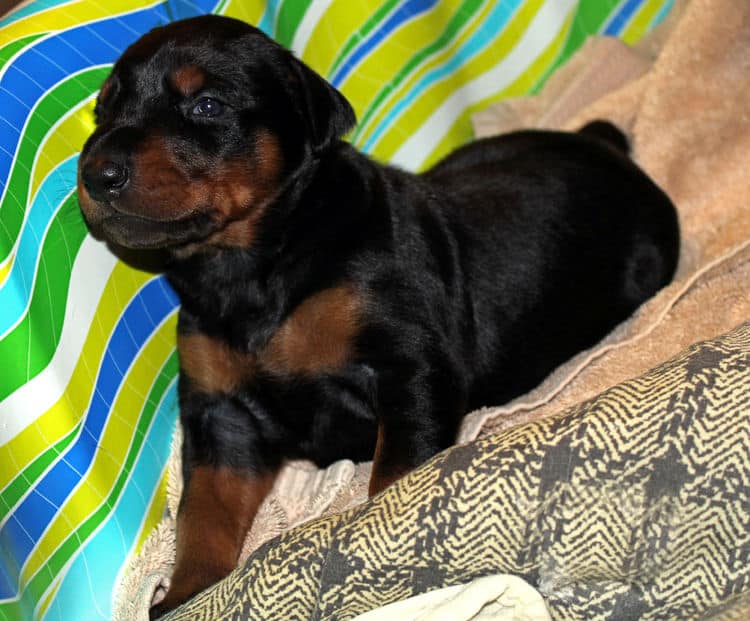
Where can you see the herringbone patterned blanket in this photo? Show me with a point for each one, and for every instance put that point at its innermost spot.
(634, 505)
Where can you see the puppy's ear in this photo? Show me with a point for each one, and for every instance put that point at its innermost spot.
(327, 113)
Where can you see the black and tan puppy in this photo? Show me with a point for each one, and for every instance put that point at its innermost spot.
(333, 307)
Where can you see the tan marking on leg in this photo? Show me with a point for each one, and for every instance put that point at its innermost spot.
(217, 509)
(382, 477)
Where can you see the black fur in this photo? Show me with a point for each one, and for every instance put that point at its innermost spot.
(477, 278)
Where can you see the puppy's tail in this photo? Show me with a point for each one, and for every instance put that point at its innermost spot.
(607, 132)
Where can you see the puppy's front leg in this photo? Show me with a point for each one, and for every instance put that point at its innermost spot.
(226, 477)
(217, 509)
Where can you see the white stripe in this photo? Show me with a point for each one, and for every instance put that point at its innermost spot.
(313, 14)
(91, 271)
(543, 29)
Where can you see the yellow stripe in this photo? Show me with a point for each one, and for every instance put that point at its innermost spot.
(382, 63)
(332, 31)
(112, 448)
(430, 100)
(62, 417)
(246, 10)
(442, 57)
(461, 131)
(66, 16)
(638, 25)
(66, 140)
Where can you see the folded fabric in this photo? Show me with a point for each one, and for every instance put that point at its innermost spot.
(633, 505)
(492, 598)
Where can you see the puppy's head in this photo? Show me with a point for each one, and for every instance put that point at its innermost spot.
(199, 125)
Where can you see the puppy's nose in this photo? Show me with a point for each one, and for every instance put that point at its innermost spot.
(104, 180)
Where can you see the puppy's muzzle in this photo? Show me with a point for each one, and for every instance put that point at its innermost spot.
(104, 180)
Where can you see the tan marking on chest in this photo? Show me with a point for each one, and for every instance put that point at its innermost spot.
(318, 336)
(212, 365)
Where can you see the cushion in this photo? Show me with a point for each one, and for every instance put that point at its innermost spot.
(633, 505)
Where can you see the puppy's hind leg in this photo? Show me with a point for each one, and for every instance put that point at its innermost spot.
(418, 416)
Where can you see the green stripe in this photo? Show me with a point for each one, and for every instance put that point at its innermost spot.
(47, 308)
(219, 10)
(459, 20)
(288, 21)
(362, 33)
(9, 51)
(52, 568)
(53, 106)
(24, 480)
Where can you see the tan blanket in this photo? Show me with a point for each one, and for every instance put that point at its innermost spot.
(683, 100)
(688, 121)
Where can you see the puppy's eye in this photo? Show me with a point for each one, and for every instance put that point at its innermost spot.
(207, 107)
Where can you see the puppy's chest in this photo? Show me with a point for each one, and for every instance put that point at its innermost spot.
(317, 337)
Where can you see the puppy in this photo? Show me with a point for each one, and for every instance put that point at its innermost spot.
(332, 307)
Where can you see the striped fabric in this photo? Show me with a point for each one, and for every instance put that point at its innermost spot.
(87, 360)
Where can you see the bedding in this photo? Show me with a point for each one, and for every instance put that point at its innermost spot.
(87, 388)
(682, 101)
(633, 505)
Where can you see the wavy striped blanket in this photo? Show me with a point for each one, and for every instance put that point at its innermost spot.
(87, 388)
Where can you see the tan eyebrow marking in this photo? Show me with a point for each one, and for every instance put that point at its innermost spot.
(188, 79)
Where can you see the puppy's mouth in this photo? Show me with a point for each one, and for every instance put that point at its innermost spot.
(142, 233)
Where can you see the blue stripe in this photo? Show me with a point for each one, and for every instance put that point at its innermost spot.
(484, 36)
(85, 593)
(33, 515)
(54, 58)
(15, 293)
(405, 12)
(620, 20)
